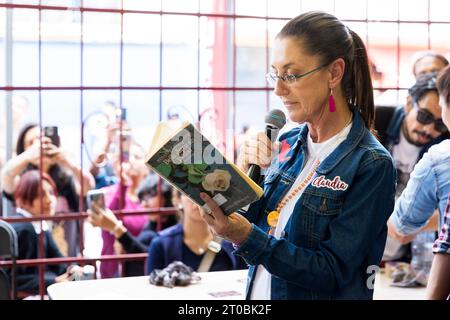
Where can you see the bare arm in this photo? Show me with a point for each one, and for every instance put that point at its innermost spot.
(16, 165)
(11, 171)
(105, 219)
(393, 233)
(95, 166)
(431, 225)
(65, 161)
(80, 176)
(439, 282)
(102, 156)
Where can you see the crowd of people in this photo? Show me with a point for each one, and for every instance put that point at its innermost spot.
(302, 239)
(125, 183)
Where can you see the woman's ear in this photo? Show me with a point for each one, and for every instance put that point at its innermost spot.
(336, 69)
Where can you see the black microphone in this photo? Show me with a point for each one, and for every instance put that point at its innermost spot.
(275, 120)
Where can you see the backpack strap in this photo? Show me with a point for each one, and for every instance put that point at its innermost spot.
(214, 247)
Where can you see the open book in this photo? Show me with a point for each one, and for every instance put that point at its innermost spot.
(191, 164)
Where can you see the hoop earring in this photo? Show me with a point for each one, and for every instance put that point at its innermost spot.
(331, 102)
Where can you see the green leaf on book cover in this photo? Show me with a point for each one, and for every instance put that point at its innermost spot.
(195, 171)
(164, 169)
(195, 179)
(200, 166)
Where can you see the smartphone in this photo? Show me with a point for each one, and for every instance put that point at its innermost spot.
(124, 114)
(96, 196)
(121, 114)
(52, 133)
(126, 142)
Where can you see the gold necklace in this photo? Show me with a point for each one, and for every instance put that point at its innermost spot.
(273, 216)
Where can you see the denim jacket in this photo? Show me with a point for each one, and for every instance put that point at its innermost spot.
(336, 233)
(428, 189)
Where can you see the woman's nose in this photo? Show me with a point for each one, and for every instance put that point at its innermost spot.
(280, 88)
(48, 197)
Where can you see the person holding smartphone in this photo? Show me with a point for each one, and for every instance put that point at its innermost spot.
(67, 175)
(123, 196)
(100, 216)
(117, 137)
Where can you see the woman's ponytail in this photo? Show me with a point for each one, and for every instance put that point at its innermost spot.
(359, 83)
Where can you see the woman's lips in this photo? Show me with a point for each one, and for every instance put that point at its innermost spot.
(289, 104)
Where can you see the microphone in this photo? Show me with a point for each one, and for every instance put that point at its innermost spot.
(275, 120)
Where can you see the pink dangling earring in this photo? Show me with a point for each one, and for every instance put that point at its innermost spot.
(331, 102)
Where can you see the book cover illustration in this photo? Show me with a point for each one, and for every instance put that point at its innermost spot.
(192, 164)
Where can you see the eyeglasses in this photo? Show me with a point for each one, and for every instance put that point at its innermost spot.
(290, 79)
(426, 117)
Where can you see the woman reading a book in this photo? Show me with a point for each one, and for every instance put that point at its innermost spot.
(319, 230)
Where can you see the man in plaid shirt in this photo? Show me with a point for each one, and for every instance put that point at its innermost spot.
(442, 244)
(439, 281)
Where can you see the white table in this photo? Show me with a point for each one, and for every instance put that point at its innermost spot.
(224, 285)
(383, 290)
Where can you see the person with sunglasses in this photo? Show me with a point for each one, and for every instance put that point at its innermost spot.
(408, 132)
(319, 230)
(429, 184)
